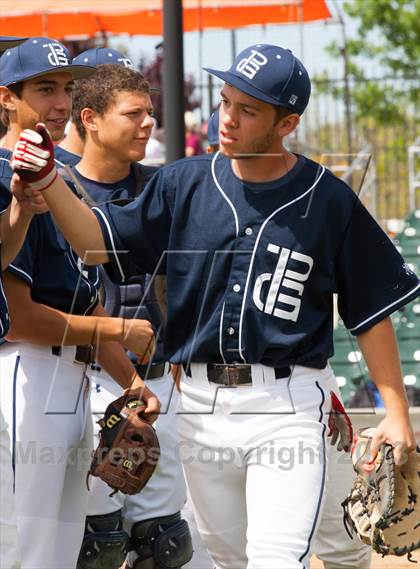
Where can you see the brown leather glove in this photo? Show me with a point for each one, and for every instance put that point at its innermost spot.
(128, 449)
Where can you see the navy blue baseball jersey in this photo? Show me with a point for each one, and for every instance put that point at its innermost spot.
(50, 267)
(5, 199)
(5, 170)
(136, 298)
(64, 157)
(252, 267)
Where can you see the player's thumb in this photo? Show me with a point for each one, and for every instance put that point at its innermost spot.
(375, 444)
(45, 133)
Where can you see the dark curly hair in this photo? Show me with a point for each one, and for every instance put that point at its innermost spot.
(98, 91)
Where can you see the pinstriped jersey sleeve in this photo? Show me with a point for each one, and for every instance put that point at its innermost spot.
(23, 266)
(373, 280)
(136, 235)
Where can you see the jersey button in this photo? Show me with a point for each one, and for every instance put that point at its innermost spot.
(231, 331)
(236, 287)
(248, 231)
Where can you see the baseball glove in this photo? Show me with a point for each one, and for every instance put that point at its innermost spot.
(383, 508)
(128, 449)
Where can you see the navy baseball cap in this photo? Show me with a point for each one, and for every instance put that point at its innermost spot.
(271, 74)
(35, 57)
(102, 55)
(213, 128)
(9, 41)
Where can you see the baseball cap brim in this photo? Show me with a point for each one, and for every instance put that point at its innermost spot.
(77, 72)
(245, 87)
(10, 41)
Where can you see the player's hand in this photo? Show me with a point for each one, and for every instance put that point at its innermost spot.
(33, 158)
(339, 424)
(394, 429)
(30, 201)
(152, 411)
(139, 338)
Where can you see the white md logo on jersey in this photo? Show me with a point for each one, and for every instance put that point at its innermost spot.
(252, 64)
(57, 55)
(283, 278)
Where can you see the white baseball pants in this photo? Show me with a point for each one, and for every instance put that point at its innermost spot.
(255, 460)
(9, 551)
(332, 543)
(44, 401)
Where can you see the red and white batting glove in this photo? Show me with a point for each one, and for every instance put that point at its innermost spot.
(339, 424)
(33, 158)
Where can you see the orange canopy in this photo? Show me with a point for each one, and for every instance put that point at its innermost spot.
(73, 19)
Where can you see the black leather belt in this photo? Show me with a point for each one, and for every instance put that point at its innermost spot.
(153, 371)
(236, 374)
(84, 354)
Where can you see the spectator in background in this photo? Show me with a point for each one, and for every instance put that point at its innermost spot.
(154, 149)
(193, 145)
(213, 132)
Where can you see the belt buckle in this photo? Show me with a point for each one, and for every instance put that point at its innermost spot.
(232, 375)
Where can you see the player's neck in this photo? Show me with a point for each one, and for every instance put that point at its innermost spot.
(264, 168)
(104, 168)
(11, 137)
(72, 142)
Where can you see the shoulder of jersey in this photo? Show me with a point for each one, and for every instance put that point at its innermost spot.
(331, 183)
(192, 161)
(5, 153)
(65, 158)
(149, 171)
(5, 170)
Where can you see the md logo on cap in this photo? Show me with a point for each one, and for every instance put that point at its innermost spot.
(249, 66)
(57, 55)
(103, 55)
(126, 62)
(271, 74)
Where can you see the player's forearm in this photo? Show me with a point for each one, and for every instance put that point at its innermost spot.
(380, 350)
(14, 224)
(77, 222)
(112, 357)
(47, 326)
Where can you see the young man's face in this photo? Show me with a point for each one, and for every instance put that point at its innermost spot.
(125, 127)
(46, 99)
(246, 125)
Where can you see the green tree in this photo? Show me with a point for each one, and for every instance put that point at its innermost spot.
(388, 35)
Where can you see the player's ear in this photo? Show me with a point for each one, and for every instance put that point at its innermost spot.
(7, 99)
(88, 117)
(287, 124)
